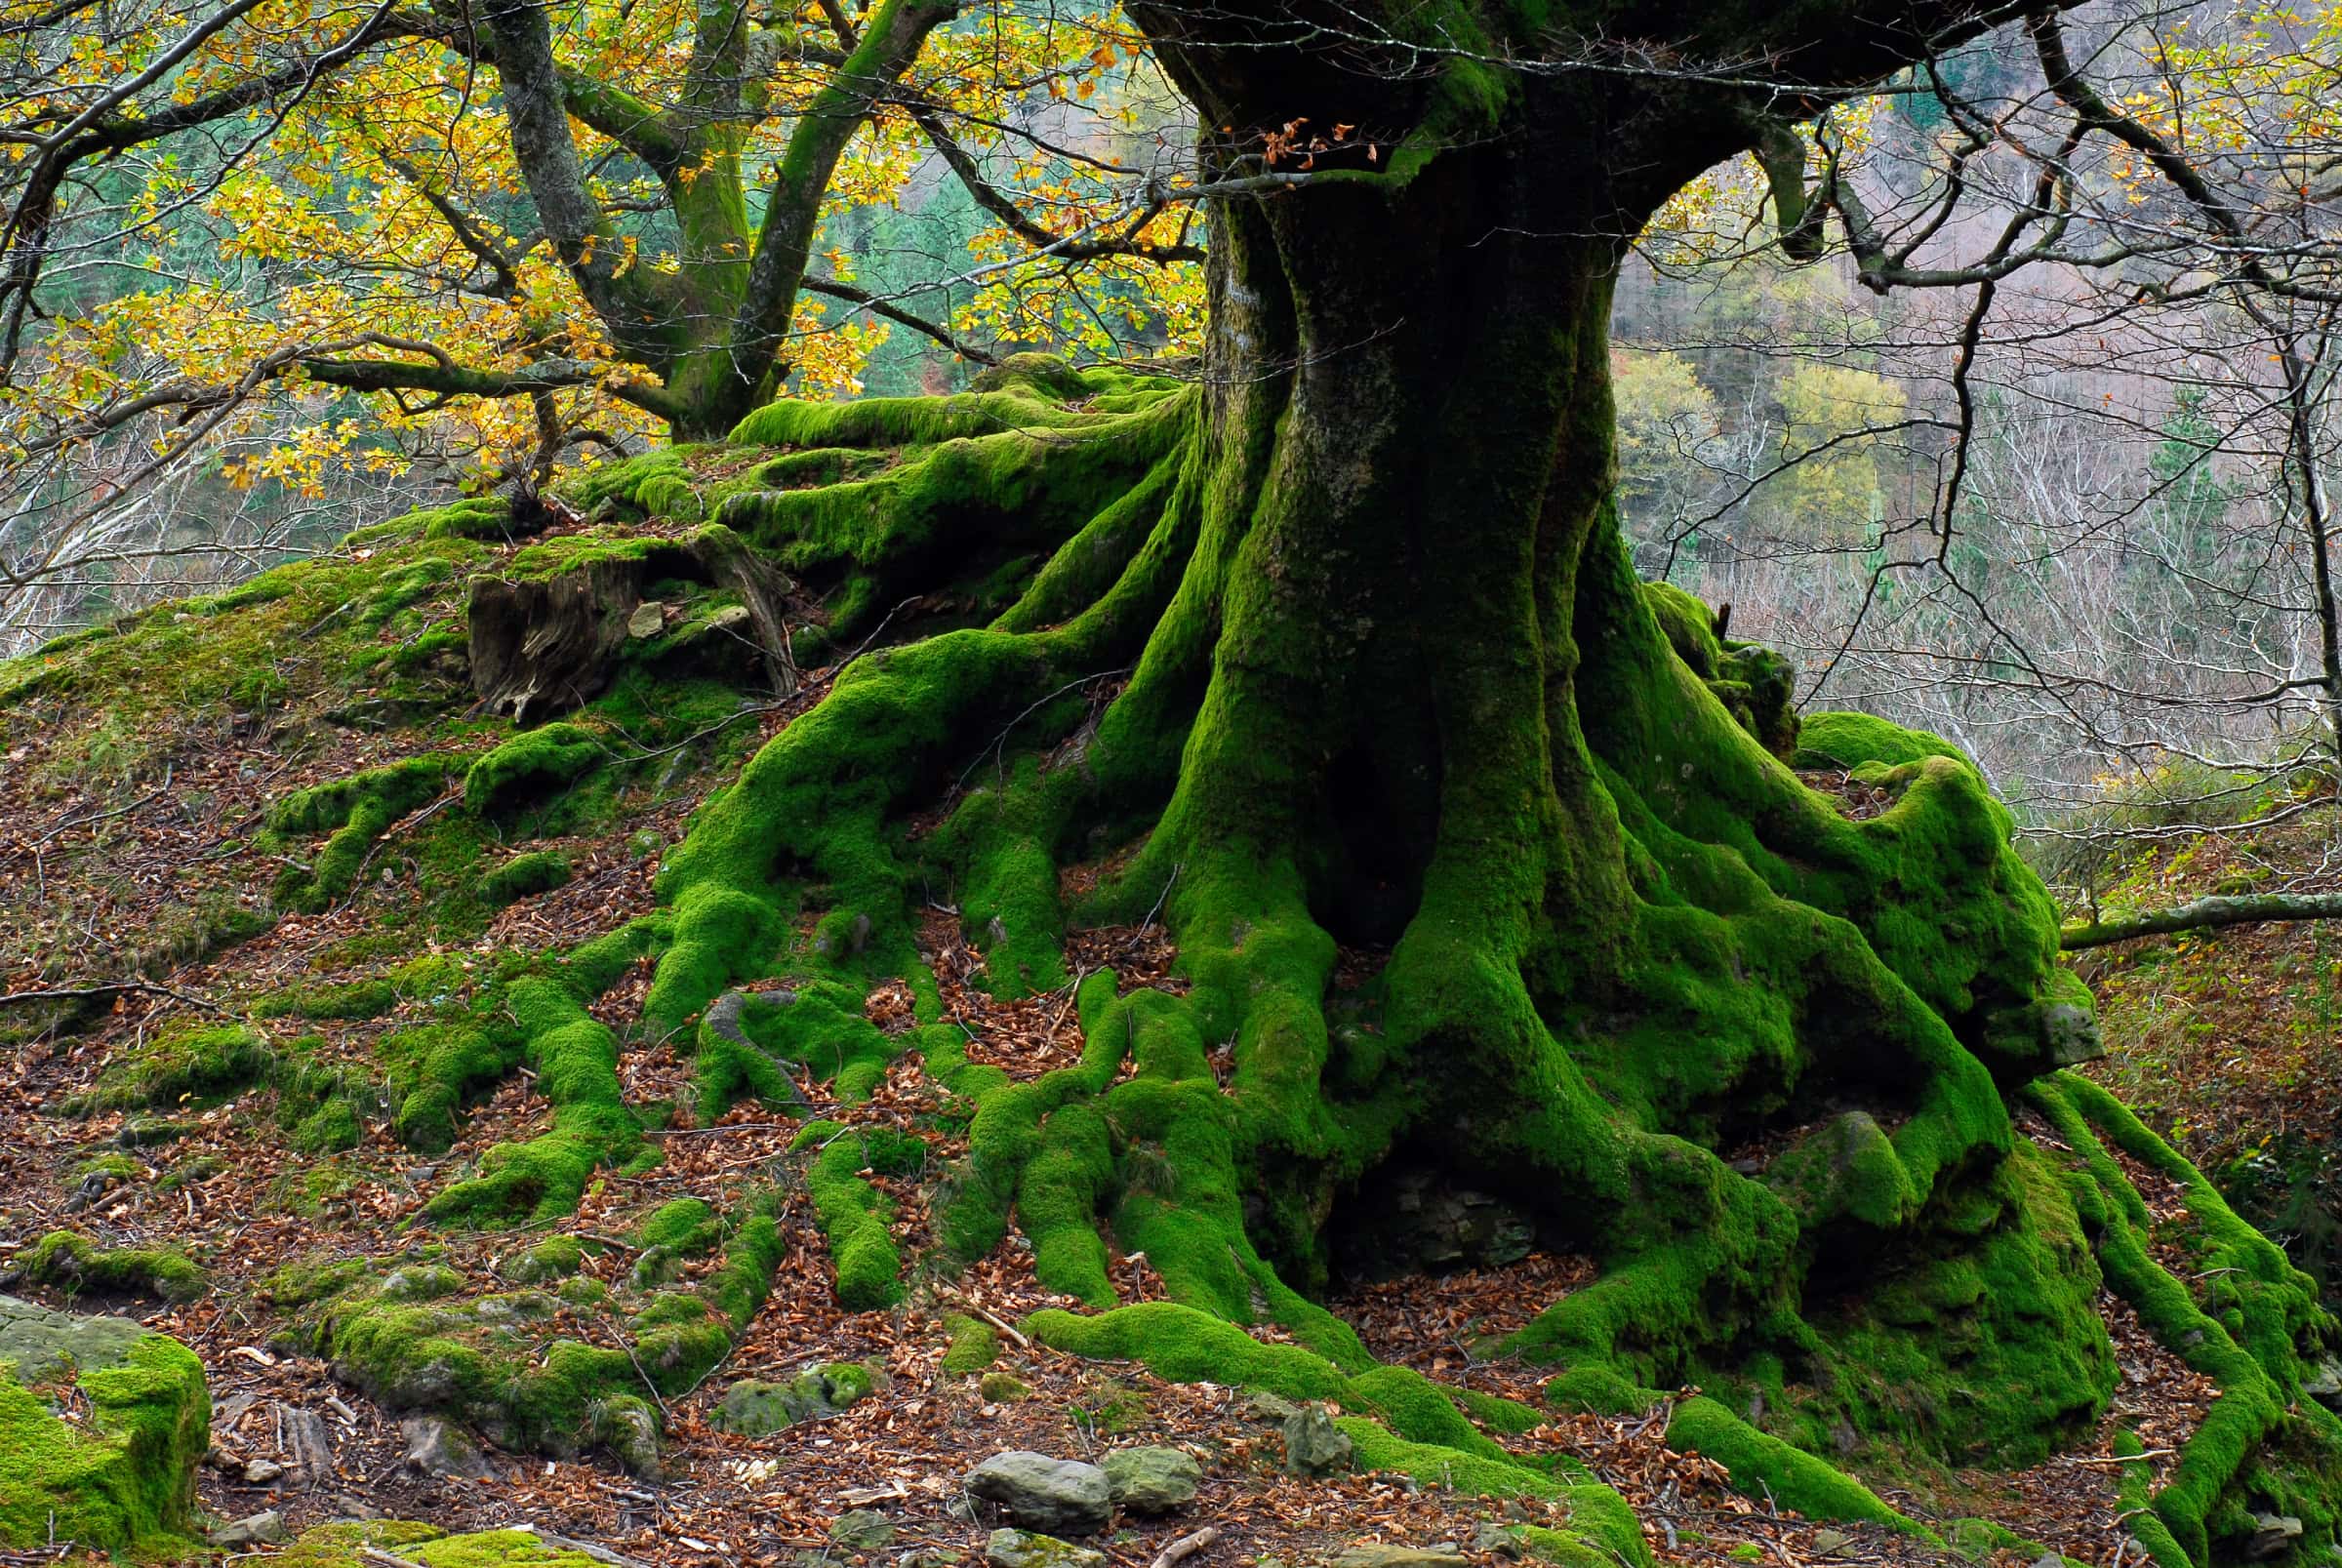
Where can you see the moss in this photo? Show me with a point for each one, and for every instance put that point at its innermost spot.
(1006, 1388)
(355, 812)
(332, 1127)
(974, 1347)
(355, 1000)
(527, 767)
(358, 1544)
(2262, 1312)
(553, 1257)
(853, 1216)
(575, 1060)
(75, 1264)
(1765, 1466)
(436, 1069)
(1846, 740)
(181, 1065)
(523, 876)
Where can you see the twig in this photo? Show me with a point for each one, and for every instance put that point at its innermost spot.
(74, 993)
(1185, 1546)
(966, 1305)
(2121, 1459)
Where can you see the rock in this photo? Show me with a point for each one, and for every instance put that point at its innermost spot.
(862, 1530)
(1499, 1540)
(1063, 1495)
(437, 1446)
(1826, 1541)
(1418, 1221)
(1150, 1480)
(420, 1282)
(2325, 1383)
(1022, 1548)
(1314, 1447)
(2049, 1559)
(648, 619)
(625, 1426)
(253, 1530)
(261, 1472)
(1262, 1405)
(136, 1447)
(1375, 1555)
(2273, 1535)
(755, 1408)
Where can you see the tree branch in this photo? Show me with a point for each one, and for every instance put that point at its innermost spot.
(2206, 914)
(879, 307)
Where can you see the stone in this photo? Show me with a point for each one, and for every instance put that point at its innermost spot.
(648, 619)
(626, 1426)
(437, 1446)
(1058, 1496)
(1262, 1405)
(862, 1530)
(254, 1529)
(2273, 1535)
(261, 1472)
(136, 1447)
(1418, 1221)
(1373, 1554)
(1022, 1549)
(2325, 1383)
(1499, 1540)
(1826, 1541)
(755, 1408)
(1150, 1480)
(1314, 1447)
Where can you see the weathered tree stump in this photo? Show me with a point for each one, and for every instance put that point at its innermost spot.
(541, 645)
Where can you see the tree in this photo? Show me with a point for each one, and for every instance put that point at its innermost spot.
(1480, 870)
(1338, 663)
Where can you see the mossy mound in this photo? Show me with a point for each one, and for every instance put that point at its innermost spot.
(121, 1477)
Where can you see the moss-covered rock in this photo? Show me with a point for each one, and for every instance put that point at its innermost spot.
(121, 1477)
(77, 1265)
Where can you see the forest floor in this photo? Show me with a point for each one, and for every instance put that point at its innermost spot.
(126, 833)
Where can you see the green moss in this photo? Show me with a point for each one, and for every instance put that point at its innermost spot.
(853, 1216)
(553, 1257)
(526, 768)
(524, 876)
(355, 1000)
(75, 1264)
(121, 1477)
(1762, 1466)
(181, 1065)
(575, 1060)
(974, 1348)
(355, 812)
(362, 1546)
(1846, 740)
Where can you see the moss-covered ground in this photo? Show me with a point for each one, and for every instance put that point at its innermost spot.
(552, 1080)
